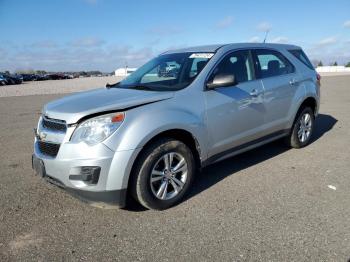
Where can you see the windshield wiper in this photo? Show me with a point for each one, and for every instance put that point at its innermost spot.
(136, 86)
(142, 87)
(108, 85)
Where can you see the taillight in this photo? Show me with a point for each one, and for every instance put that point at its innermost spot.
(318, 77)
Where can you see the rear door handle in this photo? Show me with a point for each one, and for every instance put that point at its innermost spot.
(292, 82)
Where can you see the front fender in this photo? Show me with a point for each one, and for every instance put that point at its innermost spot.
(142, 124)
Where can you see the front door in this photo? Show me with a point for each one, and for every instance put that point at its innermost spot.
(235, 114)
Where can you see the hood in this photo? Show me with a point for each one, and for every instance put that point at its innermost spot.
(74, 107)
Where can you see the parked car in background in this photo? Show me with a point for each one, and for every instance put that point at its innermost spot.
(2, 81)
(41, 77)
(59, 76)
(18, 76)
(29, 77)
(167, 70)
(55, 76)
(69, 76)
(147, 135)
(12, 79)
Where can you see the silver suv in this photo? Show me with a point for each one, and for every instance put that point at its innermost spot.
(147, 136)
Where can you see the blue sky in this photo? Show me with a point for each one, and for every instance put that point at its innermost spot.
(69, 35)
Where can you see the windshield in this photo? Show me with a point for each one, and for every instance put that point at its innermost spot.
(167, 72)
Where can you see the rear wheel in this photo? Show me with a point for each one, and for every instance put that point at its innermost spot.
(302, 128)
(163, 174)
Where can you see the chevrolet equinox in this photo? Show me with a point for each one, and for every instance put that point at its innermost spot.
(146, 136)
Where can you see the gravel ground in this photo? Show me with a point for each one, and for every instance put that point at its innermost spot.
(334, 74)
(56, 86)
(269, 204)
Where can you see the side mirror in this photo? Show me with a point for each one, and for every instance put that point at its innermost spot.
(222, 80)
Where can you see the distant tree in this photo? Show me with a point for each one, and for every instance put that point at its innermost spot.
(7, 72)
(335, 63)
(27, 71)
(320, 63)
(93, 73)
(348, 64)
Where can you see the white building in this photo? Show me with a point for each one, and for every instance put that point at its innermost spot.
(124, 71)
(333, 69)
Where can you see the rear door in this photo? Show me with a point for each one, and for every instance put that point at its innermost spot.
(280, 81)
(234, 113)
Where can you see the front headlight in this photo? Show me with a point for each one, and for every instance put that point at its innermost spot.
(97, 129)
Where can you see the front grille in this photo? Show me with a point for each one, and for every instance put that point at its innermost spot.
(56, 125)
(49, 149)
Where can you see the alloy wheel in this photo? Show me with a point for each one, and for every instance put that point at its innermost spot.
(168, 176)
(305, 127)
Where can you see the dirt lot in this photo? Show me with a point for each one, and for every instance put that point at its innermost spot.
(56, 86)
(268, 204)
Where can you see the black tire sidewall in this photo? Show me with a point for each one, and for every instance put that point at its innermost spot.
(142, 188)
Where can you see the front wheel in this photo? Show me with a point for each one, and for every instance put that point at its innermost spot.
(302, 128)
(163, 174)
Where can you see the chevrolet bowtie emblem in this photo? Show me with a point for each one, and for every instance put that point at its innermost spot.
(42, 135)
(39, 135)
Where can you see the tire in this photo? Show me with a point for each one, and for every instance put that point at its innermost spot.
(151, 166)
(302, 128)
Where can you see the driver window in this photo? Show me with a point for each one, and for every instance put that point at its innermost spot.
(237, 63)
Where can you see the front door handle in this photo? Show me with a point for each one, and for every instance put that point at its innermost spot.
(254, 92)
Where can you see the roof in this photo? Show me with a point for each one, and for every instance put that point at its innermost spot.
(214, 48)
(204, 48)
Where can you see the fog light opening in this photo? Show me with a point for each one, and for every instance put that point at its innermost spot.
(88, 174)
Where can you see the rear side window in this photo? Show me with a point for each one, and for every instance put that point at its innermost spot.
(272, 63)
(298, 53)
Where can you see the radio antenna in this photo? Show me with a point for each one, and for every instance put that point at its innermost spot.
(266, 33)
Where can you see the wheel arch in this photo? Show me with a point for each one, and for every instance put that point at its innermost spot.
(310, 102)
(179, 134)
